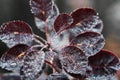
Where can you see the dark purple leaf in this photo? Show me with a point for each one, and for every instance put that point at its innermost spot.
(104, 63)
(85, 19)
(52, 59)
(93, 24)
(82, 20)
(62, 22)
(89, 42)
(45, 12)
(56, 76)
(16, 32)
(73, 60)
(32, 65)
(13, 58)
(41, 8)
(82, 14)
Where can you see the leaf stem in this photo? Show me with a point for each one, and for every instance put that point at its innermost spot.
(41, 38)
(39, 42)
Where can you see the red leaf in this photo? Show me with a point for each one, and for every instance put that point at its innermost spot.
(85, 19)
(89, 42)
(104, 62)
(16, 26)
(82, 20)
(45, 12)
(93, 24)
(82, 14)
(16, 32)
(62, 22)
(41, 8)
(73, 60)
(12, 59)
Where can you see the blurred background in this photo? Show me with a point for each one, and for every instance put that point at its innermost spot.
(109, 12)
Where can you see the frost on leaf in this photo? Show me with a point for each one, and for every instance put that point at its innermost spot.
(80, 21)
(104, 63)
(59, 41)
(89, 42)
(52, 59)
(13, 59)
(45, 11)
(16, 32)
(92, 23)
(73, 61)
(56, 76)
(86, 19)
(62, 22)
(32, 65)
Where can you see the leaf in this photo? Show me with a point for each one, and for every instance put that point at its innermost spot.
(89, 42)
(52, 59)
(82, 14)
(16, 32)
(45, 12)
(80, 21)
(85, 19)
(62, 22)
(41, 8)
(32, 65)
(104, 63)
(56, 76)
(13, 59)
(73, 60)
(93, 24)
